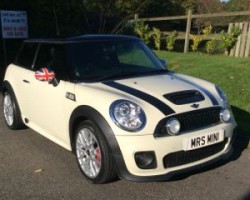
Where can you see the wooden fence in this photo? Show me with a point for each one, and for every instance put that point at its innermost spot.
(242, 41)
(242, 47)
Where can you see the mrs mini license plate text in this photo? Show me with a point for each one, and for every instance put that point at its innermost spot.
(204, 140)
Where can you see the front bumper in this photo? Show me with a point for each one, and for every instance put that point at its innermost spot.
(128, 169)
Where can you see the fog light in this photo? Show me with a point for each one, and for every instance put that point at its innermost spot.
(145, 160)
(173, 126)
(225, 115)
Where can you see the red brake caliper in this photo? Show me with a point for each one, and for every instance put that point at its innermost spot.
(98, 155)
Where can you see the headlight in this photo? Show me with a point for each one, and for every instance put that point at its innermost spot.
(221, 94)
(225, 115)
(173, 126)
(127, 115)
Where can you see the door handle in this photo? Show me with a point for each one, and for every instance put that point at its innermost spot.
(25, 81)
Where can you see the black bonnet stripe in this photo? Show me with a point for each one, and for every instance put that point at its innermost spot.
(164, 108)
(211, 97)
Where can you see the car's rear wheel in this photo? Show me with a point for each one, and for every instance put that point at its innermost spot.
(11, 112)
(92, 153)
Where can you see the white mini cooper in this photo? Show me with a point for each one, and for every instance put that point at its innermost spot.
(111, 101)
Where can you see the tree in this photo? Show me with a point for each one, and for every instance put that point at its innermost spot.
(127, 9)
(238, 5)
(163, 8)
(205, 7)
(189, 4)
(117, 11)
(209, 6)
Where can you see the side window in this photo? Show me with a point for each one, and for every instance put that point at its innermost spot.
(26, 54)
(52, 57)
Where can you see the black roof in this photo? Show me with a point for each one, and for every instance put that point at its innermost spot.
(83, 38)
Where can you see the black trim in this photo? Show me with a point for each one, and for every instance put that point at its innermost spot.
(86, 112)
(211, 97)
(89, 113)
(164, 108)
(83, 38)
(128, 176)
(191, 121)
(214, 101)
(184, 97)
(179, 158)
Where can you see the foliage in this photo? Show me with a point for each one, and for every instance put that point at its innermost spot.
(208, 7)
(210, 46)
(156, 35)
(207, 30)
(196, 41)
(205, 7)
(189, 4)
(163, 8)
(132, 6)
(228, 40)
(171, 38)
(92, 16)
(143, 31)
(238, 5)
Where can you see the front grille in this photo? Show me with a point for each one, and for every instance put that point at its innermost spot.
(192, 120)
(184, 157)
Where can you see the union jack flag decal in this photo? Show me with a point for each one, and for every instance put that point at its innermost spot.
(44, 74)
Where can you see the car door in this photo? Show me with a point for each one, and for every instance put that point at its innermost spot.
(22, 75)
(46, 112)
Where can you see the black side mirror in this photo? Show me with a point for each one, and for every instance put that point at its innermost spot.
(54, 82)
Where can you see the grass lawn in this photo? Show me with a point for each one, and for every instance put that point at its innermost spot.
(231, 74)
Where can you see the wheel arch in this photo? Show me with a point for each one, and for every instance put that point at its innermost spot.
(19, 124)
(82, 113)
(6, 86)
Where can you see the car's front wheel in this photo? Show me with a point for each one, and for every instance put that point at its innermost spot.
(11, 112)
(92, 153)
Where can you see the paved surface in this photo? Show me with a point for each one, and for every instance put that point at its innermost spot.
(32, 167)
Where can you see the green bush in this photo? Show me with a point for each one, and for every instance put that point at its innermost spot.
(143, 31)
(156, 35)
(197, 39)
(210, 46)
(229, 40)
(171, 38)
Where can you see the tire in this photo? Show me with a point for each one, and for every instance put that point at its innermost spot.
(92, 153)
(11, 111)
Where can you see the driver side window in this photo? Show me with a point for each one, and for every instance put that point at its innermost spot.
(52, 57)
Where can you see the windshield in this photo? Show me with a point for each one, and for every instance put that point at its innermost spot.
(104, 60)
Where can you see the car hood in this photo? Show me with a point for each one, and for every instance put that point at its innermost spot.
(154, 90)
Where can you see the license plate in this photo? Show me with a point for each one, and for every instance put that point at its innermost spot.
(204, 140)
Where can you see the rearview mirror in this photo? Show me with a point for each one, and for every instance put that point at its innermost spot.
(44, 74)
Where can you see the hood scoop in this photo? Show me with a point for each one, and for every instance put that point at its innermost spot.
(184, 97)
